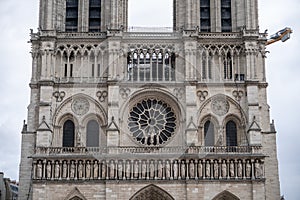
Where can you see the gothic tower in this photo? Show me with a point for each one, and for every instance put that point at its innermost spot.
(117, 113)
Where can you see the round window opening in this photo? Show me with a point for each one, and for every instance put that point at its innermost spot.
(152, 122)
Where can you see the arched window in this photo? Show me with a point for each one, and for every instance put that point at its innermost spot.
(209, 134)
(68, 134)
(231, 133)
(94, 15)
(205, 16)
(92, 138)
(226, 21)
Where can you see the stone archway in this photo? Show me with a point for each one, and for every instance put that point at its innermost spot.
(225, 195)
(152, 192)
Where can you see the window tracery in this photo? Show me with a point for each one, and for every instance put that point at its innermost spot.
(152, 122)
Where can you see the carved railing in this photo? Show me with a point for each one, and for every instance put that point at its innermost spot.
(80, 80)
(79, 35)
(234, 150)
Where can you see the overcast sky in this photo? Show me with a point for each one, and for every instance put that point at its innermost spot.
(283, 68)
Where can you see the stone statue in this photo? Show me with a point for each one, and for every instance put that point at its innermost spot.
(168, 170)
(112, 170)
(248, 169)
(72, 170)
(136, 169)
(144, 169)
(207, 169)
(64, 170)
(95, 169)
(192, 169)
(120, 170)
(88, 170)
(152, 169)
(200, 169)
(39, 170)
(159, 170)
(80, 170)
(175, 169)
(128, 170)
(220, 137)
(183, 170)
(240, 169)
(103, 170)
(56, 170)
(48, 169)
(258, 170)
(231, 169)
(224, 169)
(216, 170)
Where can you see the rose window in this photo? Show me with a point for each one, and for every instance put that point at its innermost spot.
(152, 122)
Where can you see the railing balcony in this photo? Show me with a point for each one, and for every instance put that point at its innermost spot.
(203, 150)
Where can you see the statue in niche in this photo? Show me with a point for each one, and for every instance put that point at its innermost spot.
(224, 169)
(136, 169)
(95, 169)
(78, 137)
(258, 170)
(128, 170)
(192, 169)
(72, 169)
(88, 170)
(120, 170)
(39, 170)
(56, 169)
(207, 169)
(216, 169)
(152, 169)
(248, 169)
(144, 169)
(168, 170)
(64, 169)
(48, 169)
(240, 169)
(200, 169)
(231, 169)
(112, 170)
(159, 170)
(103, 170)
(183, 169)
(80, 170)
(175, 169)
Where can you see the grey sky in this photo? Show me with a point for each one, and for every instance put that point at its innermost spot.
(18, 16)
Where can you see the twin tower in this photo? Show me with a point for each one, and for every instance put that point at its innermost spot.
(152, 113)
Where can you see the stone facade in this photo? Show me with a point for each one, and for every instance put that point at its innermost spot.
(120, 114)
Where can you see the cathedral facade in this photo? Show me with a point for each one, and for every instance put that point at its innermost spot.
(124, 113)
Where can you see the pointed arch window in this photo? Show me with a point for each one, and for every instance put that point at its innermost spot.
(205, 24)
(71, 15)
(209, 133)
(226, 20)
(92, 138)
(228, 68)
(231, 133)
(68, 134)
(94, 15)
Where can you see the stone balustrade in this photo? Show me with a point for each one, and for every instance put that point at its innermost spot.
(199, 150)
(150, 169)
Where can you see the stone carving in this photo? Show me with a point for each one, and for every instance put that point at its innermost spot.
(219, 105)
(59, 96)
(39, 170)
(238, 94)
(175, 169)
(56, 170)
(248, 169)
(202, 95)
(179, 92)
(125, 92)
(95, 170)
(102, 95)
(149, 169)
(80, 106)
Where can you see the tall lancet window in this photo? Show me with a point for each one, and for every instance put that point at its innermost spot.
(226, 20)
(92, 130)
(231, 134)
(68, 134)
(209, 134)
(71, 15)
(205, 16)
(94, 15)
